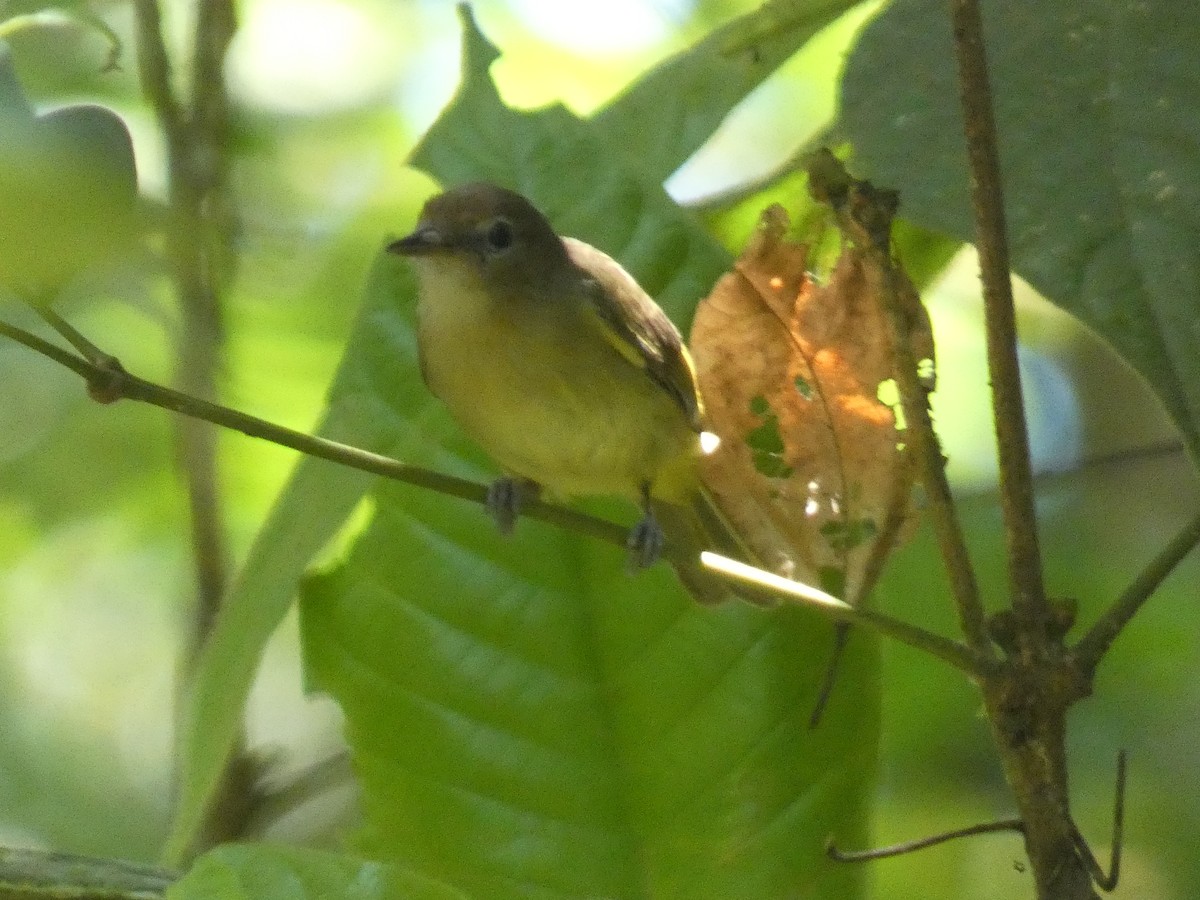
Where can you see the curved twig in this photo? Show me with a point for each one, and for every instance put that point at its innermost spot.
(921, 843)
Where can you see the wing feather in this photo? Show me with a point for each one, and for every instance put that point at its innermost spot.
(638, 329)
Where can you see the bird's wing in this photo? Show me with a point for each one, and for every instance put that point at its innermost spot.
(633, 324)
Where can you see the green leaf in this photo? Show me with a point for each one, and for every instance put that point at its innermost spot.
(263, 872)
(68, 187)
(671, 111)
(1097, 107)
(528, 719)
(375, 394)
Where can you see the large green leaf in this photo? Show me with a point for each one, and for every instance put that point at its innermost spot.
(247, 872)
(528, 720)
(1098, 108)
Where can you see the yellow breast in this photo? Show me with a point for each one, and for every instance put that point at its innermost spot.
(545, 395)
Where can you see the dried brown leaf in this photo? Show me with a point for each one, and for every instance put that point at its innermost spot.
(811, 471)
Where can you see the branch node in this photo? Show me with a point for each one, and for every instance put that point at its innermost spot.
(107, 385)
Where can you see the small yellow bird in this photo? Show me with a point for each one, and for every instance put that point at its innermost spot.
(552, 357)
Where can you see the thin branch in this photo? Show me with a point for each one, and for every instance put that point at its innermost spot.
(119, 384)
(931, 463)
(154, 67)
(197, 246)
(197, 229)
(196, 242)
(775, 587)
(841, 639)
(1008, 409)
(1105, 881)
(1093, 645)
(72, 336)
(888, 537)
(113, 382)
(1031, 743)
(33, 874)
(922, 843)
(1108, 882)
(318, 780)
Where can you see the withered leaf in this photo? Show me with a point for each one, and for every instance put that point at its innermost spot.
(811, 471)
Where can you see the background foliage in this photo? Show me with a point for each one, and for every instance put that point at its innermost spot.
(329, 97)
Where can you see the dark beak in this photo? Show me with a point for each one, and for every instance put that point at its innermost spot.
(422, 242)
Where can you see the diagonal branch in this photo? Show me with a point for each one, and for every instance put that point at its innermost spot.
(775, 587)
(109, 382)
(1093, 645)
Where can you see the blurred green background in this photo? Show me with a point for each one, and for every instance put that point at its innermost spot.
(329, 96)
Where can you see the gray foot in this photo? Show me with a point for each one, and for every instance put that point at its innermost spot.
(505, 497)
(645, 542)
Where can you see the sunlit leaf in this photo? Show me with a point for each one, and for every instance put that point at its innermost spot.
(671, 111)
(810, 469)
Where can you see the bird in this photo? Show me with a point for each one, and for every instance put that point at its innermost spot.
(552, 357)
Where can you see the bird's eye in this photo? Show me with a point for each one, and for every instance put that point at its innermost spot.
(499, 236)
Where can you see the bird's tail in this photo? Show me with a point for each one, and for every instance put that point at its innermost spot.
(693, 528)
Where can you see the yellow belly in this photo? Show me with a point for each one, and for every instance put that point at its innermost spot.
(549, 400)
